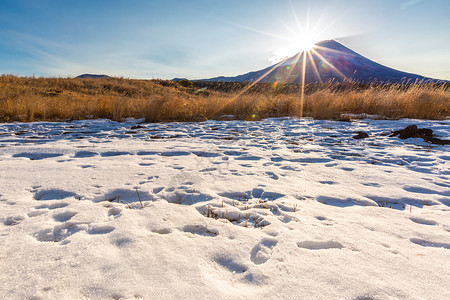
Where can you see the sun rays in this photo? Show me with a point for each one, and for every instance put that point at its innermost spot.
(304, 61)
(305, 39)
(307, 59)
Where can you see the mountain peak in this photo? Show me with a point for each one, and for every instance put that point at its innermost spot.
(334, 45)
(329, 61)
(329, 43)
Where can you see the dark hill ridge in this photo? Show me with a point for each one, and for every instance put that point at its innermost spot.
(94, 76)
(333, 61)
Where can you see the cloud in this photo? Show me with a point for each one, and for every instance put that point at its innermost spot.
(411, 3)
(281, 54)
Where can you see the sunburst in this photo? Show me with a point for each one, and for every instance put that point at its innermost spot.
(303, 43)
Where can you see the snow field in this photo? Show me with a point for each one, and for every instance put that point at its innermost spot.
(280, 208)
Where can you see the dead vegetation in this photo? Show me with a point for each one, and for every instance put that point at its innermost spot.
(55, 99)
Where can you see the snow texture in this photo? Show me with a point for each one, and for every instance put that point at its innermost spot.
(276, 209)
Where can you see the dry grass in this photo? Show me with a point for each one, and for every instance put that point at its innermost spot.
(55, 99)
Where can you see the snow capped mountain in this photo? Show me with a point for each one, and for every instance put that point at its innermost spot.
(329, 60)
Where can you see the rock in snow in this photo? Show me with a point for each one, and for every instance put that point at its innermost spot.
(426, 134)
(360, 135)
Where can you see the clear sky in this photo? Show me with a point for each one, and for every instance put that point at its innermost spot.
(207, 38)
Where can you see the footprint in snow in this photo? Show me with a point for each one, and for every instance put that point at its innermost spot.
(317, 160)
(442, 184)
(425, 243)
(61, 232)
(114, 211)
(144, 153)
(37, 155)
(421, 190)
(330, 165)
(115, 153)
(36, 213)
(374, 184)
(126, 196)
(347, 169)
(229, 268)
(52, 206)
(328, 182)
(122, 242)
(230, 265)
(205, 154)
(421, 170)
(344, 202)
(234, 153)
(319, 245)
(249, 157)
(289, 168)
(423, 221)
(208, 170)
(256, 193)
(325, 221)
(162, 230)
(263, 250)
(85, 154)
(11, 221)
(246, 165)
(272, 175)
(175, 153)
(87, 166)
(53, 194)
(200, 230)
(100, 229)
(64, 216)
(157, 190)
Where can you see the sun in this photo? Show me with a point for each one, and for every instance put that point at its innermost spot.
(305, 43)
(298, 45)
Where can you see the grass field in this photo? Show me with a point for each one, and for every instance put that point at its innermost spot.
(55, 99)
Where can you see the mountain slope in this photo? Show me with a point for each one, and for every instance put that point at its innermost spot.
(329, 60)
(92, 76)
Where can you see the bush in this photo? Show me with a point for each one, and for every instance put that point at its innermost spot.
(186, 83)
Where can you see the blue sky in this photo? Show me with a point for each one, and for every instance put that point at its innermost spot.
(207, 38)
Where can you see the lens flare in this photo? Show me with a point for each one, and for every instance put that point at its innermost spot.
(301, 57)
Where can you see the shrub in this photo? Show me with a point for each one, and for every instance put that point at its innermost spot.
(186, 83)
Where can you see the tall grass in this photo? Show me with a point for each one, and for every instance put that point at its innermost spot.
(55, 99)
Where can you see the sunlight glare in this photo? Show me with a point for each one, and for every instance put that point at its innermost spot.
(300, 44)
(305, 43)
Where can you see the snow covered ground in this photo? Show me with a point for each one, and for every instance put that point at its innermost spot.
(275, 209)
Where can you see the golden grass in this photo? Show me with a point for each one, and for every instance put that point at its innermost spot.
(54, 99)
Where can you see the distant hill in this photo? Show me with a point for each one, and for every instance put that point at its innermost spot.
(95, 76)
(329, 60)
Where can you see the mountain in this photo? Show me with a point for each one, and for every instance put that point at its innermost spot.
(94, 76)
(329, 60)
